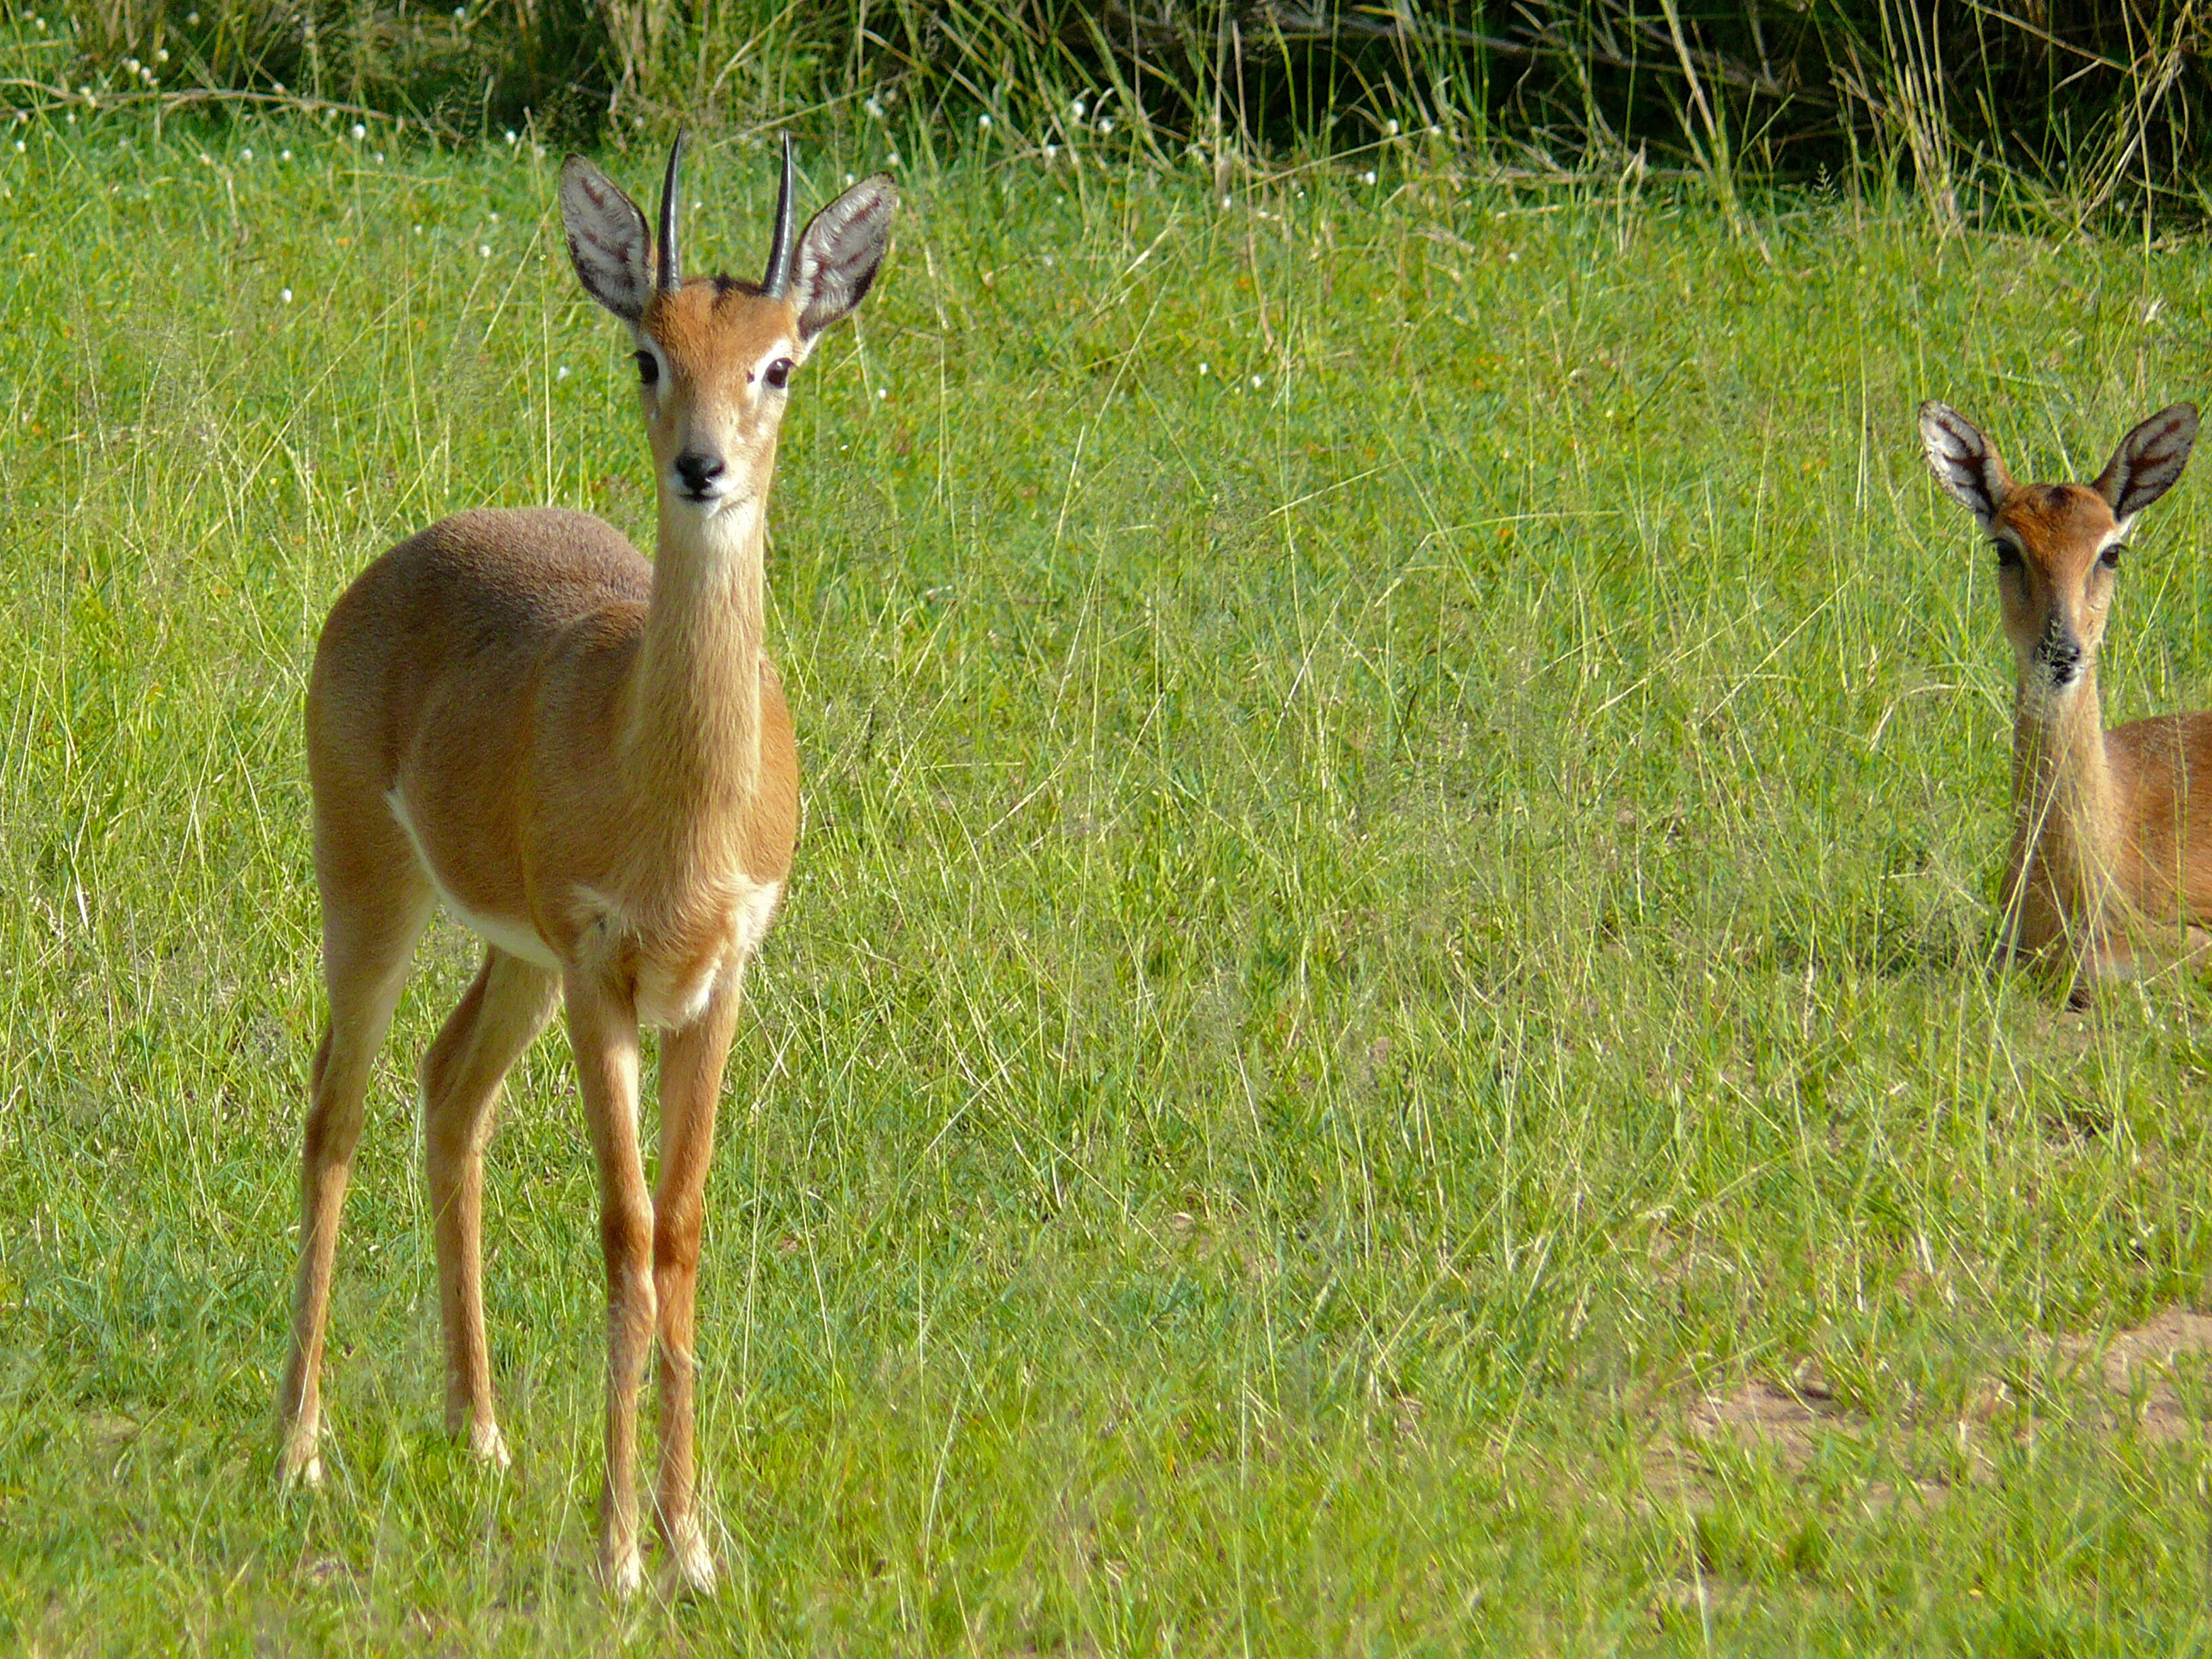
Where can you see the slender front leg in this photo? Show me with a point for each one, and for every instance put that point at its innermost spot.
(691, 1086)
(602, 1028)
(504, 1010)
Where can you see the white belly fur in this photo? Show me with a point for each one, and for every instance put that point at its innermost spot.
(661, 1000)
(517, 938)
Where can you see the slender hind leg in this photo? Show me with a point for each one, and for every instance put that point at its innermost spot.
(504, 1010)
(370, 924)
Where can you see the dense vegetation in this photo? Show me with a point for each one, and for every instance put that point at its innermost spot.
(2098, 106)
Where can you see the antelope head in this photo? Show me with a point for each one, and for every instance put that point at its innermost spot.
(715, 355)
(2057, 545)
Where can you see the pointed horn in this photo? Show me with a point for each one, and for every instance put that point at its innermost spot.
(671, 263)
(780, 252)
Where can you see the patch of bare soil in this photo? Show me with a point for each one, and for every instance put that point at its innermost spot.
(2137, 1368)
(1789, 1417)
(2132, 1374)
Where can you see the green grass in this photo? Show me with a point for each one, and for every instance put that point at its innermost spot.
(1363, 942)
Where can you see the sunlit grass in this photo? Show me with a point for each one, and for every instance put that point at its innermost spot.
(1403, 790)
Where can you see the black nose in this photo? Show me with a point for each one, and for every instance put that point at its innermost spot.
(698, 471)
(2064, 656)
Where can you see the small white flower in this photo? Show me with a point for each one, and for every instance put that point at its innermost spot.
(246, 156)
(379, 158)
(418, 230)
(983, 123)
(84, 92)
(848, 180)
(360, 132)
(882, 392)
(1368, 177)
(19, 147)
(1436, 132)
(1051, 151)
(1076, 109)
(276, 87)
(511, 139)
(206, 161)
(874, 109)
(160, 54)
(39, 24)
(71, 119)
(130, 64)
(285, 294)
(460, 11)
(1202, 367)
(484, 250)
(146, 75)
(192, 19)
(561, 373)
(495, 218)
(1227, 203)
(1256, 382)
(893, 159)
(284, 156)
(1390, 126)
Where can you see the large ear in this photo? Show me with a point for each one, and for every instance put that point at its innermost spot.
(2148, 460)
(1963, 461)
(608, 242)
(841, 253)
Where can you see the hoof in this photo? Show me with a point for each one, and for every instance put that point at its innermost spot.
(625, 1575)
(489, 1446)
(690, 1562)
(301, 1463)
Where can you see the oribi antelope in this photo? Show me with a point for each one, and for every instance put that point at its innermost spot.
(2112, 864)
(587, 759)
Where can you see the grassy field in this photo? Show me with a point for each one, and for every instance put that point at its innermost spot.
(1383, 1040)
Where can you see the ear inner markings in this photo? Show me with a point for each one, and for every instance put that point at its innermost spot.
(844, 246)
(2150, 461)
(1963, 461)
(606, 237)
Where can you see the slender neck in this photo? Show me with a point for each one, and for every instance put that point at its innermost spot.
(695, 714)
(2065, 815)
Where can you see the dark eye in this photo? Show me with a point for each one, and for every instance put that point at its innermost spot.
(778, 374)
(2110, 558)
(2008, 556)
(648, 369)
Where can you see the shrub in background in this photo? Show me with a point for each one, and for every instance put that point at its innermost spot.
(2095, 102)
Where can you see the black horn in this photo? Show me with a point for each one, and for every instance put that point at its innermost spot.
(781, 251)
(672, 264)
